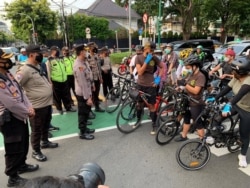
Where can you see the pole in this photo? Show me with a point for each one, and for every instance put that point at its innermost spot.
(116, 35)
(158, 25)
(33, 27)
(129, 20)
(64, 25)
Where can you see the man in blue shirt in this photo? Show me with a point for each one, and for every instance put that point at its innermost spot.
(23, 56)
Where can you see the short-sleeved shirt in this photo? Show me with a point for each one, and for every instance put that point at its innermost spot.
(226, 68)
(147, 78)
(196, 80)
(244, 102)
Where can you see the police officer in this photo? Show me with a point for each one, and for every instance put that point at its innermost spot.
(15, 109)
(83, 87)
(57, 74)
(39, 91)
(69, 62)
(97, 75)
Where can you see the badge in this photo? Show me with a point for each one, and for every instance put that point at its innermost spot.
(12, 89)
(2, 85)
(14, 94)
(19, 77)
(81, 68)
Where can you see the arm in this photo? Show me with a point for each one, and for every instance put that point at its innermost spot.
(223, 92)
(242, 92)
(195, 90)
(215, 69)
(48, 66)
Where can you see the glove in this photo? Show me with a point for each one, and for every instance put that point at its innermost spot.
(157, 80)
(210, 99)
(148, 58)
(181, 82)
(226, 109)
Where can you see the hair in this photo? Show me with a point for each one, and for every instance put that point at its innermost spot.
(52, 182)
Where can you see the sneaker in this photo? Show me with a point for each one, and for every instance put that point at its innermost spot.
(180, 138)
(39, 156)
(242, 161)
(154, 130)
(53, 128)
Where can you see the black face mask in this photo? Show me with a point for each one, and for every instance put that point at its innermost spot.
(66, 54)
(39, 58)
(57, 54)
(95, 50)
(6, 64)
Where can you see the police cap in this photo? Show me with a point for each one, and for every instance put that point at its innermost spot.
(4, 55)
(103, 49)
(81, 47)
(54, 48)
(33, 48)
(65, 48)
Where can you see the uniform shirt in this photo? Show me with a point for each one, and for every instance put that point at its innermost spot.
(56, 70)
(36, 86)
(83, 78)
(95, 67)
(147, 78)
(196, 80)
(244, 102)
(106, 64)
(13, 98)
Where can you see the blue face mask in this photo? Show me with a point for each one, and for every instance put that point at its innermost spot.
(190, 71)
(167, 51)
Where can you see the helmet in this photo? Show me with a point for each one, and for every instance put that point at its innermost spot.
(151, 45)
(230, 52)
(170, 45)
(192, 60)
(241, 65)
(200, 47)
(23, 50)
(138, 47)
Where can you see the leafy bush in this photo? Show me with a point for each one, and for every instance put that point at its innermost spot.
(116, 58)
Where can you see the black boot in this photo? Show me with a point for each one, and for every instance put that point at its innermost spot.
(91, 115)
(15, 181)
(98, 109)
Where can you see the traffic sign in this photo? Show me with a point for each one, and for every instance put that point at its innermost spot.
(87, 30)
(145, 18)
(88, 36)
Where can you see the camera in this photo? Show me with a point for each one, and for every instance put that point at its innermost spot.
(91, 175)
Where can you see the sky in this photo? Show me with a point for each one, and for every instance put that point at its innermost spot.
(70, 6)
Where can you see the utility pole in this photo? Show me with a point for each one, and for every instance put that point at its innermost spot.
(158, 25)
(129, 23)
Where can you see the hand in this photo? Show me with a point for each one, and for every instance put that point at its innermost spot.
(223, 76)
(31, 112)
(157, 80)
(181, 82)
(148, 58)
(90, 102)
(226, 110)
(210, 99)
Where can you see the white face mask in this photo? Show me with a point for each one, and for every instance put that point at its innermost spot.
(226, 59)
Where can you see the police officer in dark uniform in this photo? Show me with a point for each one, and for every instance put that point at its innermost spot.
(15, 109)
(84, 86)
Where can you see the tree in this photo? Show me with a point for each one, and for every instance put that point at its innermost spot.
(23, 12)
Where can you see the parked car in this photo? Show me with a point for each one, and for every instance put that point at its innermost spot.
(13, 50)
(205, 43)
(239, 49)
(231, 43)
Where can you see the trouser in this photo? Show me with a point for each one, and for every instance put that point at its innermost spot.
(107, 82)
(83, 113)
(95, 93)
(60, 94)
(16, 143)
(40, 126)
(71, 86)
(244, 127)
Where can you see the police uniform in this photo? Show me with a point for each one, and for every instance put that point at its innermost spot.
(57, 74)
(39, 92)
(97, 76)
(83, 88)
(14, 111)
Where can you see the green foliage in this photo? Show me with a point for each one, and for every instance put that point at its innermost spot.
(116, 58)
(78, 23)
(23, 12)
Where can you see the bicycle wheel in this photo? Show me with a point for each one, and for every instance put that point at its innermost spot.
(166, 132)
(193, 155)
(126, 119)
(122, 70)
(113, 100)
(165, 113)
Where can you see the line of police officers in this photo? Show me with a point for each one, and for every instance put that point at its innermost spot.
(36, 104)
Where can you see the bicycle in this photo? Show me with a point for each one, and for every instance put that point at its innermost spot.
(195, 154)
(118, 93)
(127, 120)
(170, 116)
(124, 66)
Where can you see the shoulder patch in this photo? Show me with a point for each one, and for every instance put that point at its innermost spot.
(2, 85)
(19, 76)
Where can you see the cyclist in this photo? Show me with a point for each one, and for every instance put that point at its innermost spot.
(194, 86)
(200, 53)
(146, 65)
(240, 85)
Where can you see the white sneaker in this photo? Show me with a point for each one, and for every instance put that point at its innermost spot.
(242, 161)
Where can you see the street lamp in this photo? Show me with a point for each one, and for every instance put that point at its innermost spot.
(33, 27)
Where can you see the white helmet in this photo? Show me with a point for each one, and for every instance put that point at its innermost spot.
(23, 50)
